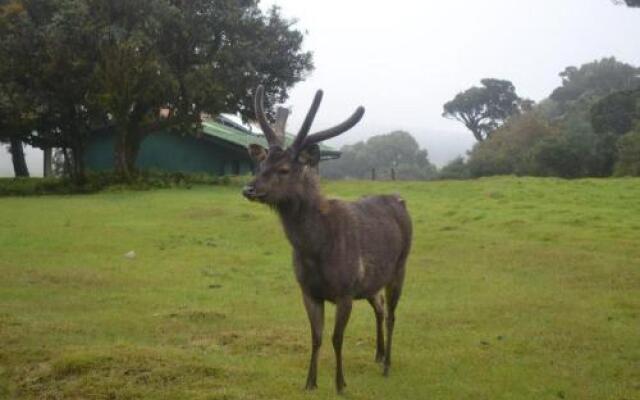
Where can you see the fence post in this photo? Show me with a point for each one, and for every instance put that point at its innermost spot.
(373, 174)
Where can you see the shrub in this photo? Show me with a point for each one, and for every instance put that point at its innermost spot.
(455, 169)
(97, 181)
(507, 150)
(628, 147)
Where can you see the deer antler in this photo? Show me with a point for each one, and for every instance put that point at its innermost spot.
(302, 140)
(308, 120)
(269, 133)
(336, 130)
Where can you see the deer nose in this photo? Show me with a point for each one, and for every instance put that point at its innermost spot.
(249, 191)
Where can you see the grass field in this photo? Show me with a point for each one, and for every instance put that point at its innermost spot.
(516, 289)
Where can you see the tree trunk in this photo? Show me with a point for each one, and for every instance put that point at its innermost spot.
(79, 173)
(128, 139)
(66, 170)
(121, 166)
(47, 162)
(17, 156)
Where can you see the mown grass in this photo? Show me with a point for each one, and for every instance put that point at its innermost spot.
(516, 289)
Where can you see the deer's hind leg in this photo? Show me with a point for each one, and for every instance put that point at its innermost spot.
(392, 295)
(377, 302)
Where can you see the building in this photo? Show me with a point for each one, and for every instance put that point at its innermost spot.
(220, 148)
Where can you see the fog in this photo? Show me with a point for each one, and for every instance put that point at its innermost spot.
(403, 60)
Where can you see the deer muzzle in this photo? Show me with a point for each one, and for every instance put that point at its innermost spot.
(249, 191)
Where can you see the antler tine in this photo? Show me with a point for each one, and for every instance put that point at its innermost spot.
(269, 133)
(308, 120)
(336, 130)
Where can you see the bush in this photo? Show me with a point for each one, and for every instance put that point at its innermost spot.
(455, 169)
(628, 155)
(98, 181)
(573, 155)
(507, 150)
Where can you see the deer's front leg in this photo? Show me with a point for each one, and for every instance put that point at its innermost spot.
(343, 311)
(315, 311)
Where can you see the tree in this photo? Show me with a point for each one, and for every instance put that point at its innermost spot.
(483, 109)
(583, 86)
(190, 58)
(616, 113)
(18, 109)
(52, 47)
(506, 151)
(137, 66)
(455, 169)
(628, 154)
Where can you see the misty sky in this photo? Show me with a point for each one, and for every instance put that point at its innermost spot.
(404, 59)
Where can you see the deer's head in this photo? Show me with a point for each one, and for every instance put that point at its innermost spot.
(284, 173)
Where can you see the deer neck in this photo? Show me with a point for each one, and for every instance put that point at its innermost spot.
(302, 220)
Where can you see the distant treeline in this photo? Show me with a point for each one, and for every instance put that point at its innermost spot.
(395, 155)
(587, 127)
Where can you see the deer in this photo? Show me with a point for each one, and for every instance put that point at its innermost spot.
(342, 251)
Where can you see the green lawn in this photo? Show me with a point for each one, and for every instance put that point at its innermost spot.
(517, 288)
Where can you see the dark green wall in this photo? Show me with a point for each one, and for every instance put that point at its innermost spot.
(172, 152)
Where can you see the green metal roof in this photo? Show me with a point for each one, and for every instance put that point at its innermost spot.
(245, 138)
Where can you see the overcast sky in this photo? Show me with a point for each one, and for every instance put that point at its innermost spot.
(404, 59)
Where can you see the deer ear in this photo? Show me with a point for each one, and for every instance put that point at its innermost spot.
(310, 155)
(257, 152)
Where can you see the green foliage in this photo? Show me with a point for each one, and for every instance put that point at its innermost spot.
(571, 134)
(521, 288)
(594, 80)
(507, 150)
(109, 181)
(571, 155)
(396, 150)
(189, 58)
(616, 113)
(483, 109)
(18, 110)
(140, 66)
(455, 169)
(628, 163)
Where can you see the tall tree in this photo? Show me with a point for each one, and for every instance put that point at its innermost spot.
(189, 58)
(138, 66)
(16, 96)
(483, 109)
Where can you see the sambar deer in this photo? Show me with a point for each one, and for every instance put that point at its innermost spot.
(342, 251)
